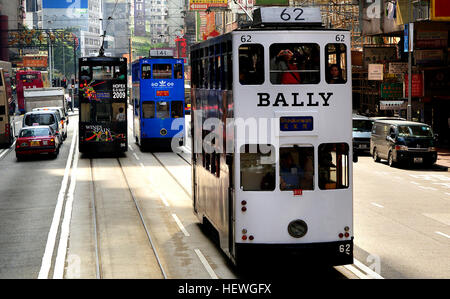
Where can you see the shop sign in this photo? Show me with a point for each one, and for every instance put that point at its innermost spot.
(398, 67)
(440, 10)
(393, 105)
(431, 39)
(416, 86)
(379, 54)
(428, 57)
(391, 90)
(376, 72)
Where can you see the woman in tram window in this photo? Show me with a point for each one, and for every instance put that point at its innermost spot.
(287, 59)
(334, 75)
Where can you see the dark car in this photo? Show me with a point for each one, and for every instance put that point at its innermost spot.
(403, 142)
(37, 140)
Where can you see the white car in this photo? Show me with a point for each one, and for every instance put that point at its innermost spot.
(64, 119)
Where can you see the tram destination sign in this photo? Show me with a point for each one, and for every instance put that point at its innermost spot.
(287, 15)
(296, 123)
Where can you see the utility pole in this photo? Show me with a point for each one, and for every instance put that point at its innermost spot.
(409, 108)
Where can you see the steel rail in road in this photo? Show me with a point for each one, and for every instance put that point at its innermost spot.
(96, 233)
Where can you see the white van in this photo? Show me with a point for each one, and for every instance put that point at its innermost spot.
(362, 128)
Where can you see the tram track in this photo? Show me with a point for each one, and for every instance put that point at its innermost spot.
(100, 227)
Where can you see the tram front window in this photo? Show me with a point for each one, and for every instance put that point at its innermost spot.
(257, 167)
(251, 64)
(146, 71)
(162, 110)
(333, 166)
(162, 71)
(294, 63)
(336, 59)
(296, 168)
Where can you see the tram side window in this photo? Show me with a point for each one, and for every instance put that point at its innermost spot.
(177, 109)
(178, 71)
(336, 63)
(148, 109)
(294, 63)
(162, 71)
(146, 71)
(251, 64)
(257, 167)
(162, 110)
(333, 166)
(297, 168)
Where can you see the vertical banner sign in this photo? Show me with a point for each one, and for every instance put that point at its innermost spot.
(416, 86)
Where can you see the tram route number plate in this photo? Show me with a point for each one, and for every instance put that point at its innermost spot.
(288, 15)
(296, 123)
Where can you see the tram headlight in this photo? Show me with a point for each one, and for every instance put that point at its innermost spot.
(163, 132)
(297, 228)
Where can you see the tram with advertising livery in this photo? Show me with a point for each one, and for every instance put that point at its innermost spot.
(103, 104)
(158, 99)
(271, 122)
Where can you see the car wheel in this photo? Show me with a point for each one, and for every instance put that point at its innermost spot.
(19, 158)
(391, 160)
(375, 155)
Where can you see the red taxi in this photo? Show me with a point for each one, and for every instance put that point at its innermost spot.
(37, 140)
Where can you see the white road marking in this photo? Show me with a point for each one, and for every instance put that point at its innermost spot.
(370, 273)
(180, 225)
(131, 148)
(6, 150)
(206, 264)
(65, 226)
(136, 156)
(51, 239)
(442, 234)
(377, 205)
(415, 183)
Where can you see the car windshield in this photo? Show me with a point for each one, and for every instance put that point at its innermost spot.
(41, 119)
(34, 132)
(362, 125)
(415, 131)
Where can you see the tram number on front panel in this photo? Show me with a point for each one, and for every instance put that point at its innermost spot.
(246, 38)
(344, 248)
(340, 38)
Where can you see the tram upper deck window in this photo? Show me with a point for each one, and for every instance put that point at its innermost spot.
(102, 72)
(257, 167)
(162, 110)
(294, 63)
(146, 71)
(251, 64)
(333, 166)
(178, 71)
(148, 109)
(296, 168)
(336, 63)
(162, 71)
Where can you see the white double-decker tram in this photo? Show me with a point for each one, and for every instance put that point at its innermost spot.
(272, 138)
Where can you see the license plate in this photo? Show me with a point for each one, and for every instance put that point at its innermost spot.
(34, 143)
(363, 146)
(418, 160)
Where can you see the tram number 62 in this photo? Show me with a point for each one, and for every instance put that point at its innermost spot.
(340, 38)
(345, 248)
(286, 17)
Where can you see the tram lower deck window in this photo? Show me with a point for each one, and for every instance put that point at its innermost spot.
(333, 166)
(296, 168)
(257, 167)
(177, 109)
(148, 109)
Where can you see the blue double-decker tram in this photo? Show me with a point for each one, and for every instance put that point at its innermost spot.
(158, 100)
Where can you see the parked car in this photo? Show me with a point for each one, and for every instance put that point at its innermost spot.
(64, 119)
(402, 142)
(37, 140)
(44, 118)
(362, 130)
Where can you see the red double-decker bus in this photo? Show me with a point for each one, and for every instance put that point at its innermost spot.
(26, 79)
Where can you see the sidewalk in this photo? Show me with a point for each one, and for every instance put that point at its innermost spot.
(443, 157)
